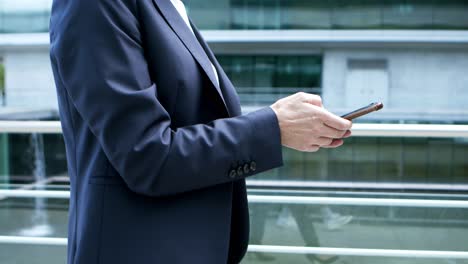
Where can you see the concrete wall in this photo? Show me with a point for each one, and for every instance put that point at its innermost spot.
(28, 79)
(421, 82)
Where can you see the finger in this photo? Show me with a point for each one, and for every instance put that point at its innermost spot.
(336, 143)
(312, 99)
(335, 121)
(347, 134)
(312, 148)
(330, 132)
(323, 141)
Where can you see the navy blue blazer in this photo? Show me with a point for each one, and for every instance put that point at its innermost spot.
(157, 152)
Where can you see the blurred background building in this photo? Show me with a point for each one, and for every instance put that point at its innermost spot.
(410, 54)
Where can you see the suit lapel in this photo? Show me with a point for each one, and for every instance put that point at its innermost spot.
(185, 35)
(229, 92)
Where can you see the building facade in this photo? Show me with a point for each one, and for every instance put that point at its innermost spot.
(410, 54)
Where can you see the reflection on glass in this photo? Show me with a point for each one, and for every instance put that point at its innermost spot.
(390, 158)
(33, 162)
(380, 160)
(374, 227)
(18, 217)
(24, 158)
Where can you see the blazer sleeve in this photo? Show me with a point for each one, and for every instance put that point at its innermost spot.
(97, 56)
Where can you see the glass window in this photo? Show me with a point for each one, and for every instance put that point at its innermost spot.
(242, 71)
(349, 14)
(450, 14)
(272, 14)
(2, 84)
(287, 71)
(305, 14)
(33, 16)
(24, 16)
(238, 17)
(310, 72)
(209, 14)
(340, 14)
(263, 91)
(263, 79)
(407, 14)
(264, 71)
(255, 15)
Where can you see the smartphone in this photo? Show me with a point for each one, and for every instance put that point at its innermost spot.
(363, 111)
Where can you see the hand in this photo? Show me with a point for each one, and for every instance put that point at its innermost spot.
(306, 126)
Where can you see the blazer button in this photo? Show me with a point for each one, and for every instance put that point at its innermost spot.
(232, 174)
(240, 171)
(246, 168)
(253, 166)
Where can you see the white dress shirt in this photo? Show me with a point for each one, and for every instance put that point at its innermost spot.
(180, 7)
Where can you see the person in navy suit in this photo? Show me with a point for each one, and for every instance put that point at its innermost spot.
(157, 146)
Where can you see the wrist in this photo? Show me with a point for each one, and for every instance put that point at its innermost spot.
(276, 111)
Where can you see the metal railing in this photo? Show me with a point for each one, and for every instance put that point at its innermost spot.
(362, 130)
(277, 249)
(364, 252)
(268, 199)
(357, 185)
(447, 37)
(282, 199)
(359, 130)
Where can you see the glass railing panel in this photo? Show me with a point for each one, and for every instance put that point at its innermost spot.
(33, 254)
(33, 161)
(29, 163)
(346, 199)
(363, 226)
(33, 217)
(380, 161)
(430, 229)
